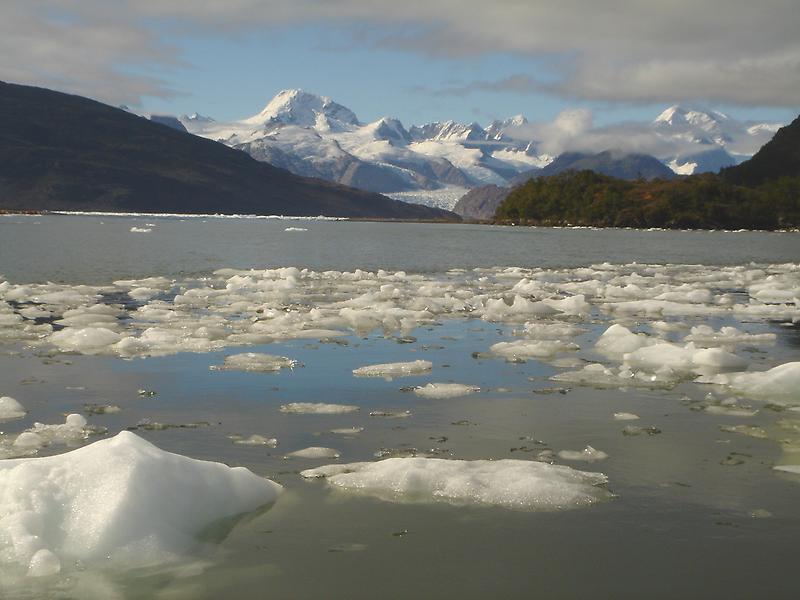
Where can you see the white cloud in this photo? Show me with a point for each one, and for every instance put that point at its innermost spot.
(729, 51)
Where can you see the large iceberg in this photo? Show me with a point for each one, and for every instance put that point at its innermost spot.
(119, 499)
(517, 484)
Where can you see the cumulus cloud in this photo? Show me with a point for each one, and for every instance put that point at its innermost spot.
(574, 131)
(732, 51)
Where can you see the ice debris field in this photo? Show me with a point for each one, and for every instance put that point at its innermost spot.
(111, 494)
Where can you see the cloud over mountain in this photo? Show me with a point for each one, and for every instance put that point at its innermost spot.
(730, 51)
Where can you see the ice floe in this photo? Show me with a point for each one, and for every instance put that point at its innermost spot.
(317, 408)
(779, 384)
(391, 370)
(516, 484)
(523, 349)
(445, 390)
(704, 334)
(315, 452)
(598, 375)
(625, 416)
(253, 361)
(121, 500)
(11, 409)
(254, 440)
(588, 454)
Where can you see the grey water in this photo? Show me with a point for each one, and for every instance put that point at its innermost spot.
(685, 521)
(94, 249)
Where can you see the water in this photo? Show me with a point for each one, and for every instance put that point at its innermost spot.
(101, 249)
(681, 524)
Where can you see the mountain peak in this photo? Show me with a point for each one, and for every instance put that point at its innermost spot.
(297, 107)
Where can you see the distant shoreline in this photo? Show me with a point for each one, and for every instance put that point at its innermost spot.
(34, 213)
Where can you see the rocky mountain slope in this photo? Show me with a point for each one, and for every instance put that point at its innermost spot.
(64, 152)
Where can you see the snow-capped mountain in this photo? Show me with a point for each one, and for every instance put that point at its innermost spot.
(315, 136)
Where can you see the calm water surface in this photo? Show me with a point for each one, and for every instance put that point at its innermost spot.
(681, 525)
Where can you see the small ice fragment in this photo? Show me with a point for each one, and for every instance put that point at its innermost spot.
(398, 369)
(101, 409)
(347, 430)
(396, 414)
(43, 564)
(141, 229)
(632, 430)
(625, 416)
(10, 409)
(752, 431)
(253, 361)
(255, 440)
(146, 392)
(295, 229)
(445, 390)
(588, 454)
(794, 469)
(315, 452)
(317, 408)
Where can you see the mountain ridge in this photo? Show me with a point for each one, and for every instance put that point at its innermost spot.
(88, 156)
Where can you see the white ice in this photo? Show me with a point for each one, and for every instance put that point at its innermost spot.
(119, 500)
(779, 384)
(445, 390)
(588, 454)
(517, 484)
(253, 361)
(315, 452)
(398, 369)
(11, 409)
(317, 408)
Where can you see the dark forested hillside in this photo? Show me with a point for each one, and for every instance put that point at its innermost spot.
(780, 157)
(64, 152)
(761, 193)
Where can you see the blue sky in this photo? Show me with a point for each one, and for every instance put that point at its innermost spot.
(233, 77)
(418, 60)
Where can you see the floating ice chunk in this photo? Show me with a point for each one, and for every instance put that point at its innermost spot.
(317, 408)
(779, 384)
(728, 408)
(253, 361)
(296, 229)
(685, 358)
(347, 430)
(521, 349)
(752, 431)
(398, 369)
(141, 229)
(11, 409)
(445, 390)
(86, 340)
(254, 440)
(73, 431)
(599, 376)
(515, 484)
(588, 454)
(573, 305)
(625, 416)
(618, 340)
(498, 310)
(545, 331)
(315, 452)
(794, 469)
(121, 499)
(391, 414)
(703, 334)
